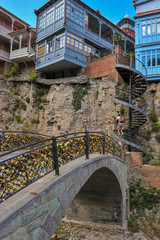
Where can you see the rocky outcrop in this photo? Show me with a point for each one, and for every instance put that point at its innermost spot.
(49, 109)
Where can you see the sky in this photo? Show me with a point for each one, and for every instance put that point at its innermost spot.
(112, 10)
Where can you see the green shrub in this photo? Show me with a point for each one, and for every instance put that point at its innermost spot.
(18, 119)
(20, 105)
(28, 100)
(59, 127)
(14, 69)
(32, 76)
(121, 111)
(148, 157)
(158, 138)
(40, 92)
(16, 93)
(153, 116)
(156, 162)
(155, 127)
(35, 121)
(148, 135)
(17, 103)
(6, 127)
(23, 106)
(133, 224)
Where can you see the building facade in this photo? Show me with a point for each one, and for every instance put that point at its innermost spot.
(127, 25)
(69, 31)
(8, 23)
(147, 36)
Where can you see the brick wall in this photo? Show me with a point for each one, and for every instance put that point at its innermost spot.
(150, 176)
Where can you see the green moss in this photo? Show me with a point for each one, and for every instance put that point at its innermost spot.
(79, 92)
(148, 135)
(16, 93)
(28, 100)
(35, 121)
(155, 127)
(153, 116)
(18, 119)
(148, 157)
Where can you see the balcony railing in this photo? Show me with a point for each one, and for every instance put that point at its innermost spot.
(21, 52)
(4, 54)
(5, 30)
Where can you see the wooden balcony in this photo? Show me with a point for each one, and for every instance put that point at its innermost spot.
(4, 55)
(21, 54)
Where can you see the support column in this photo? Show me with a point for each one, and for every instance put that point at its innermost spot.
(100, 29)
(13, 20)
(20, 42)
(113, 42)
(29, 42)
(11, 46)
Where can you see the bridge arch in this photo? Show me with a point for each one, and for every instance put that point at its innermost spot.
(36, 211)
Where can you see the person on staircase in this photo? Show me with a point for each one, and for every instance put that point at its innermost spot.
(120, 121)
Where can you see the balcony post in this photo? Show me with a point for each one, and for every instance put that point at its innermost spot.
(13, 20)
(20, 42)
(100, 29)
(11, 46)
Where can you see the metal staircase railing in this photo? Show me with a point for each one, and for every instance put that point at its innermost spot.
(134, 74)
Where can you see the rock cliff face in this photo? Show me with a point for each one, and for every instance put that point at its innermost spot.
(46, 106)
(152, 97)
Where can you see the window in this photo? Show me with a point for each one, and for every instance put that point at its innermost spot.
(50, 45)
(158, 27)
(143, 30)
(153, 28)
(41, 49)
(153, 59)
(60, 40)
(42, 22)
(59, 11)
(50, 16)
(158, 57)
(148, 29)
(74, 42)
(74, 13)
(148, 58)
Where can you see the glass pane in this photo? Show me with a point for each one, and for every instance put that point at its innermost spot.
(143, 22)
(158, 27)
(153, 60)
(158, 59)
(148, 29)
(148, 21)
(158, 19)
(153, 20)
(148, 61)
(143, 30)
(143, 60)
(153, 28)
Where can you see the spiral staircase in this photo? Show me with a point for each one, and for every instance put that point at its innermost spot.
(129, 94)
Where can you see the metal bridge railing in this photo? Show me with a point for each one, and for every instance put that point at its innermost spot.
(50, 154)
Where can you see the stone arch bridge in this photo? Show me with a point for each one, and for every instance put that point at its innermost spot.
(92, 187)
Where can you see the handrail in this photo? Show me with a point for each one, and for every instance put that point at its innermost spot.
(132, 62)
(25, 168)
